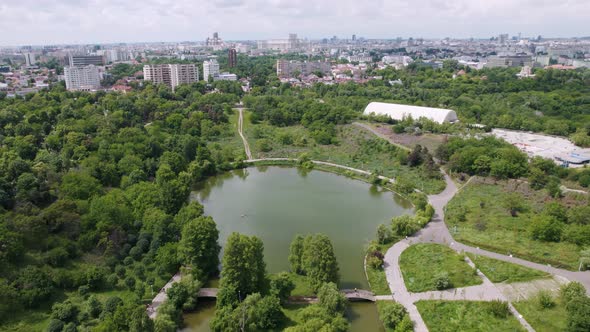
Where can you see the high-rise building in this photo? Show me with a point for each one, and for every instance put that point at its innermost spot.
(84, 60)
(353, 37)
(171, 75)
(30, 59)
(210, 69)
(84, 78)
(232, 57)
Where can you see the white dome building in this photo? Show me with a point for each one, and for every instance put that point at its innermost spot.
(399, 112)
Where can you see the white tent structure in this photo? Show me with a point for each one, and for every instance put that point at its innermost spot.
(399, 112)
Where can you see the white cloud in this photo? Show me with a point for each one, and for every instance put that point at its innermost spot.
(80, 21)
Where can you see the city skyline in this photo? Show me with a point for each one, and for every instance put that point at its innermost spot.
(30, 22)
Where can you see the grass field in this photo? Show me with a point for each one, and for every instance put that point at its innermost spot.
(489, 224)
(499, 271)
(355, 148)
(470, 316)
(421, 263)
(543, 320)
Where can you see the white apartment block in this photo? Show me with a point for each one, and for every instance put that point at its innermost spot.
(82, 78)
(172, 74)
(210, 69)
(30, 59)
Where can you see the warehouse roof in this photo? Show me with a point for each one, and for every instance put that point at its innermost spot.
(399, 112)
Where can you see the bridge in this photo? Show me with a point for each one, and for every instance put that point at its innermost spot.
(208, 292)
(350, 294)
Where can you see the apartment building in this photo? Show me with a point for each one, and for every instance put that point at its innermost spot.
(84, 78)
(171, 75)
(210, 69)
(288, 68)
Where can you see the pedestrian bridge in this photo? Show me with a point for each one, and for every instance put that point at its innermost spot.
(350, 294)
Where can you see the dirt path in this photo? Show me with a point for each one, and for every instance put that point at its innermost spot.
(161, 297)
(240, 131)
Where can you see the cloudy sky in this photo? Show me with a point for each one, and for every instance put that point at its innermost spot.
(99, 21)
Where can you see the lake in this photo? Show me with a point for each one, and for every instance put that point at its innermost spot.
(276, 203)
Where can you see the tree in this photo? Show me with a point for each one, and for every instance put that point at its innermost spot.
(578, 314)
(34, 286)
(295, 254)
(546, 228)
(244, 270)
(384, 234)
(281, 286)
(317, 318)
(404, 225)
(330, 298)
(65, 311)
(198, 246)
(93, 306)
(571, 291)
(79, 185)
(255, 313)
(319, 261)
(393, 314)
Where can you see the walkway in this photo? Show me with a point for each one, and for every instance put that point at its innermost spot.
(161, 297)
(240, 131)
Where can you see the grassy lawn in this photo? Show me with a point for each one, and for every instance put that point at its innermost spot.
(291, 311)
(499, 271)
(464, 316)
(543, 320)
(421, 263)
(377, 278)
(489, 224)
(302, 286)
(356, 148)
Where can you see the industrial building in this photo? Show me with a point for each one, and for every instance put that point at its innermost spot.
(399, 112)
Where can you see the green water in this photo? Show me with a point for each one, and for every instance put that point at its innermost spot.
(275, 203)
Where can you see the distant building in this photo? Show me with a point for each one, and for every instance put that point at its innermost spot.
(214, 42)
(82, 78)
(225, 77)
(506, 61)
(84, 60)
(232, 57)
(171, 75)
(210, 69)
(30, 59)
(288, 68)
(399, 112)
(525, 73)
(293, 43)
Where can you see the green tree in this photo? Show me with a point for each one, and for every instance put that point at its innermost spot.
(281, 286)
(319, 261)
(244, 270)
(330, 298)
(198, 245)
(295, 254)
(393, 314)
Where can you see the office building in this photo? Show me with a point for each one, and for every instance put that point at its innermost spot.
(84, 78)
(30, 59)
(232, 57)
(505, 61)
(210, 69)
(289, 68)
(171, 75)
(84, 60)
(284, 45)
(225, 77)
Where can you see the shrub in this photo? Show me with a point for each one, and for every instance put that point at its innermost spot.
(83, 290)
(55, 325)
(442, 281)
(375, 262)
(571, 291)
(545, 300)
(499, 308)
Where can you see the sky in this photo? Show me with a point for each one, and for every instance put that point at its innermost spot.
(43, 22)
